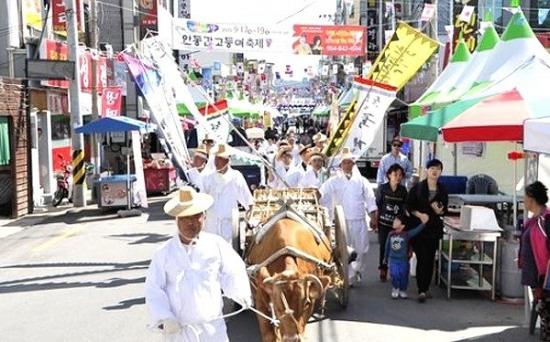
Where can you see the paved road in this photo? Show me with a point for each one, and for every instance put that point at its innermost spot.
(79, 277)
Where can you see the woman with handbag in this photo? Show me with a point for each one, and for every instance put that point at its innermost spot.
(534, 253)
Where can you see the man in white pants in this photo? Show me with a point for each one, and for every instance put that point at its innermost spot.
(183, 288)
(229, 188)
(354, 193)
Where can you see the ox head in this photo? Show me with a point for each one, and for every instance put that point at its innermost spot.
(292, 298)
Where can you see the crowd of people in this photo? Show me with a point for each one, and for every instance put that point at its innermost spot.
(199, 262)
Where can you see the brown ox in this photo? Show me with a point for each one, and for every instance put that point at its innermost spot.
(289, 285)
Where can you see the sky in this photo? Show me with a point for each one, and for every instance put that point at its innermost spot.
(268, 12)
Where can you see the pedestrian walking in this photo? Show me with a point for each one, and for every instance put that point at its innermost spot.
(427, 197)
(390, 200)
(394, 157)
(354, 193)
(397, 253)
(534, 252)
(186, 277)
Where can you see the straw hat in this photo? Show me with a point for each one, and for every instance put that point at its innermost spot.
(282, 150)
(207, 137)
(255, 133)
(201, 151)
(346, 154)
(319, 137)
(188, 203)
(282, 143)
(222, 151)
(316, 153)
(303, 149)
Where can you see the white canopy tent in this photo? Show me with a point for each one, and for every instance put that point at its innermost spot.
(536, 135)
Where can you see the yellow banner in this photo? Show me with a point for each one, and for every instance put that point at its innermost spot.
(341, 132)
(402, 56)
(33, 15)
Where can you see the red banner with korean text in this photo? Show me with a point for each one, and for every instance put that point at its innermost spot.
(56, 51)
(59, 18)
(343, 40)
(111, 102)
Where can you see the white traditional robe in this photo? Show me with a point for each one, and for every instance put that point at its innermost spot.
(228, 190)
(357, 198)
(292, 177)
(195, 176)
(185, 283)
(312, 179)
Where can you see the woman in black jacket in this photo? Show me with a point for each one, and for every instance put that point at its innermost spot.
(429, 197)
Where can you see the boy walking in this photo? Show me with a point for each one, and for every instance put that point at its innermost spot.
(397, 253)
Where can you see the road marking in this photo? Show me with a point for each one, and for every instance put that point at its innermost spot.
(56, 239)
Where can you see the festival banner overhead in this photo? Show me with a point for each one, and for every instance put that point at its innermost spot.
(343, 40)
(194, 35)
(304, 40)
(402, 56)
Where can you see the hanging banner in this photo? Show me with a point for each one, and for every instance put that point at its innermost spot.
(344, 40)
(160, 98)
(148, 14)
(373, 102)
(304, 40)
(161, 54)
(373, 48)
(194, 35)
(465, 29)
(139, 185)
(120, 76)
(111, 102)
(59, 18)
(217, 119)
(32, 14)
(402, 57)
(428, 12)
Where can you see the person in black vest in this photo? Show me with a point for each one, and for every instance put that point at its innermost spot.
(429, 197)
(390, 199)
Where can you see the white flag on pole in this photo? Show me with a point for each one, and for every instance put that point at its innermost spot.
(466, 14)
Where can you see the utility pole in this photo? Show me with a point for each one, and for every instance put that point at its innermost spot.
(79, 172)
(96, 158)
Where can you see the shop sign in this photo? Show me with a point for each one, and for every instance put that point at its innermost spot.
(58, 103)
(59, 18)
(111, 102)
(344, 40)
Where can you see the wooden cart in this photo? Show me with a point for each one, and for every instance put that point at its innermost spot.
(303, 203)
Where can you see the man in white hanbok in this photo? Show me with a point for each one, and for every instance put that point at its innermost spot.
(288, 172)
(198, 166)
(183, 288)
(316, 173)
(229, 188)
(354, 193)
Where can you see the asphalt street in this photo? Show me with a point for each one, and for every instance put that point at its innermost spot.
(79, 275)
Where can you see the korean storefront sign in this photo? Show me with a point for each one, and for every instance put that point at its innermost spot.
(329, 40)
(111, 102)
(59, 18)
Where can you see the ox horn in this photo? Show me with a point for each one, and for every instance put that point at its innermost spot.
(316, 282)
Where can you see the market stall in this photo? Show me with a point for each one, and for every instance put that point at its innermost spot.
(117, 191)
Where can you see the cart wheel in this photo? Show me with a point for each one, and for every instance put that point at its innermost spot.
(341, 256)
(235, 224)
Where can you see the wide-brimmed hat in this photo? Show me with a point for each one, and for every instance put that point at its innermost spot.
(303, 149)
(188, 202)
(283, 143)
(222, 151)
(319, 137)
(255, 133)
(207, 137)
(315, 154)
(346, 155)
(282, 150)
(201, 151)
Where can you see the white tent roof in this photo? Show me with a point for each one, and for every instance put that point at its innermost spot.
(536, 135)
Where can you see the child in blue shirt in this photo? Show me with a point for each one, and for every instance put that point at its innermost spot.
(397, 253)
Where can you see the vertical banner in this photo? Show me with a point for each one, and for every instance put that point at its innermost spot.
(183, 9)
(164, 113)
(120, 76)
(402, 57)
(139, 185)
(217, 119)
(465, 24)
(111, 102)
(372, 34)
(148, 12)
(374, 100)
(59, 18)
